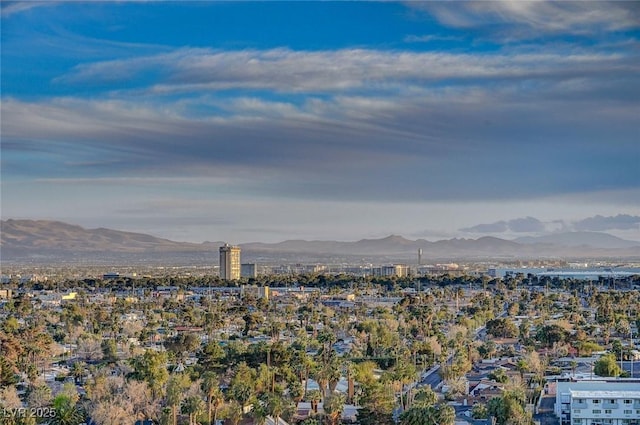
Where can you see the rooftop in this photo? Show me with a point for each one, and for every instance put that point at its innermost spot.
(605, 394)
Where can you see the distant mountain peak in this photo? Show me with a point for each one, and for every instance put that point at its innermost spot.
(395, 238)
(24, 239)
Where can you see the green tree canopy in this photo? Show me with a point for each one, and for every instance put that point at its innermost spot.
(607, 366)
(441, 414)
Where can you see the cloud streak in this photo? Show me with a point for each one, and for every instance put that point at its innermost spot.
(333, 117)
(600, 223)
(531, 225)
(518, 225)
(535, 19)
(289, 71)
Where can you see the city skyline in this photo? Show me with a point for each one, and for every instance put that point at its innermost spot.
(273, 121)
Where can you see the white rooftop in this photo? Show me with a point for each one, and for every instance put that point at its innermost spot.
(605, 394)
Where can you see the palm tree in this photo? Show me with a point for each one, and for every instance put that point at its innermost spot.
(302, 363)
(78, 371)
(314, 396)
(66, 412)
(259, 413)
(425, 397)
(192, 406)
(522, 367)
(430, 415)
(333, 406)
(419, 416)
(335, 367)
(446, 415)
(175, 388)
(275, 407)
(233, 412)
(350, 371)
(574, 366)
(211, 387)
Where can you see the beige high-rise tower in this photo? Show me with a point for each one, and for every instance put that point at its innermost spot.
(229, 262)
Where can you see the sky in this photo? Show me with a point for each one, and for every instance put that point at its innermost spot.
(266, 121)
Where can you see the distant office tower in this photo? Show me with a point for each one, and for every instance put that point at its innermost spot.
(229, 262)
(399, 270)
(248, 270)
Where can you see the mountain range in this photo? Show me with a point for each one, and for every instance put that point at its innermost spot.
(30, 240)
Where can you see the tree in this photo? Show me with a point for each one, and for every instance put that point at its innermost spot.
(522, 366)
(446, 414)
(241, 388)
(109, 350)
(302, 364)
(67, 412)
(276, 406)
(442, 414)
(39, 396)
(419, 416)
(574, 366)
(151, 367)
(425, 397)
(502, 328)
(8, 376)
(9, 398)
(11, 325)
(192, 406)
(233, 412)
(487, 349)
(377, 404)
(606, 366)
(69, 391)
(551, 334)
(367, 416)
(259, 413)
(143, 405)
(176, 385)
(211, 387)
(182, 344)
(78, 371)
(333, 406)
(211, 357)
(479, 411)
(509, 409)
(314, 397)
(586, 348)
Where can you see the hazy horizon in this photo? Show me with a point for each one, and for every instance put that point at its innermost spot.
(566, 230)
(323, 120)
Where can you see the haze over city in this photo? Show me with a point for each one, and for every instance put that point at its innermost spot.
(347, 120)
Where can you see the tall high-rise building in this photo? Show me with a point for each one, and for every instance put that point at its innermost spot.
(229, 262)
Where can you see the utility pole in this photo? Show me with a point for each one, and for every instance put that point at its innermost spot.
(632, 349)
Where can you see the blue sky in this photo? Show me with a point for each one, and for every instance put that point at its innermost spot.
(323, 120)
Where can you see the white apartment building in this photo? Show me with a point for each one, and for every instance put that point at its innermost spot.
(612, 402)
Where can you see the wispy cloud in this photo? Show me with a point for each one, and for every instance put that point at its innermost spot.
(534, 19)
(291, 71)
(13, 7)
(600, 223)
(334, 116)
(518, 225)
(531, 225)
(427, 38)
